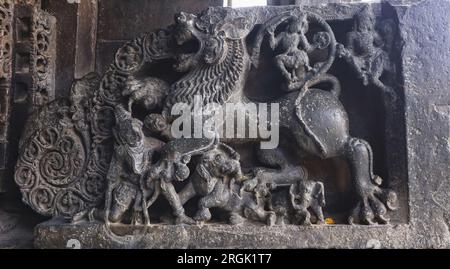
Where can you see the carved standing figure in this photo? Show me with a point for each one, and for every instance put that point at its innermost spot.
(133, 154)
(305, 196)
(368, 52)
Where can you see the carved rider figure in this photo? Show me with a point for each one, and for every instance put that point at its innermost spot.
(294, 60)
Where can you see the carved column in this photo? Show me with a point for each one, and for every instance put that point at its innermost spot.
(35, 56)
(6, 40)
(27, 70)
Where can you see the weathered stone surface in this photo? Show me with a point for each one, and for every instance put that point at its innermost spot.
(102, 157)
(54, 234)
(6, 58)
(425, 64)
(422, 52)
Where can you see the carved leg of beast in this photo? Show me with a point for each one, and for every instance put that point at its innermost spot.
(108, 202)
(317, 209)
(372, 198)
(171, 195)
(138, 210)
(187, 193)
(123, 197)
(217, 198)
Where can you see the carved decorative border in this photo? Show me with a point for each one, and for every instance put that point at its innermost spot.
(42, 57)
(6, 45)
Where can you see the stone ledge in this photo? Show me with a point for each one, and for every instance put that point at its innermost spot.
(56, 234)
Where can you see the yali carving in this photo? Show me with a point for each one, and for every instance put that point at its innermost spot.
(114, 136)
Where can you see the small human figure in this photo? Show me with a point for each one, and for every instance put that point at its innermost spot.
(367, 52)
(305, 196)
(294, 60)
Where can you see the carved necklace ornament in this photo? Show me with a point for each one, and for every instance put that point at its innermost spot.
(92, 158)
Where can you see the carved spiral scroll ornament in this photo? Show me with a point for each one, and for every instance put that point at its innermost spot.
(62, 168)
(50, 169)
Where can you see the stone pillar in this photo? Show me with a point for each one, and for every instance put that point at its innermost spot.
(6, 44)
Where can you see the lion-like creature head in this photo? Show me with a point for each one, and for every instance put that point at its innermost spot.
(210, 30)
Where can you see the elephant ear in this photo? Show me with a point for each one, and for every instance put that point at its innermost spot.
(237, 28)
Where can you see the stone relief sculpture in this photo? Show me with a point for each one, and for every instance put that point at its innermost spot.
(133, 154)
(292, 57)
(367, 50)
(109, 153)
(6, 39)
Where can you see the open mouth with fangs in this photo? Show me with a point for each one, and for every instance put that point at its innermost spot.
(187, 54)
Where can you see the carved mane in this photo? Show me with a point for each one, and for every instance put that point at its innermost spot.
(215, 83)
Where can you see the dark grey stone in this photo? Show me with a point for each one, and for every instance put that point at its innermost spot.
(56, 234)
(368, 98)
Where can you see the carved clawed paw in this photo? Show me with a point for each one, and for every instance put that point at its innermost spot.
(373, 205)
(203, 215)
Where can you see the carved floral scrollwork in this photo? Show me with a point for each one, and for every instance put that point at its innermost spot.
(42, 60)
(156, 45)
(52, 160)
(6, 39)
(131, 56)
(65, 158)
(6, 10)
